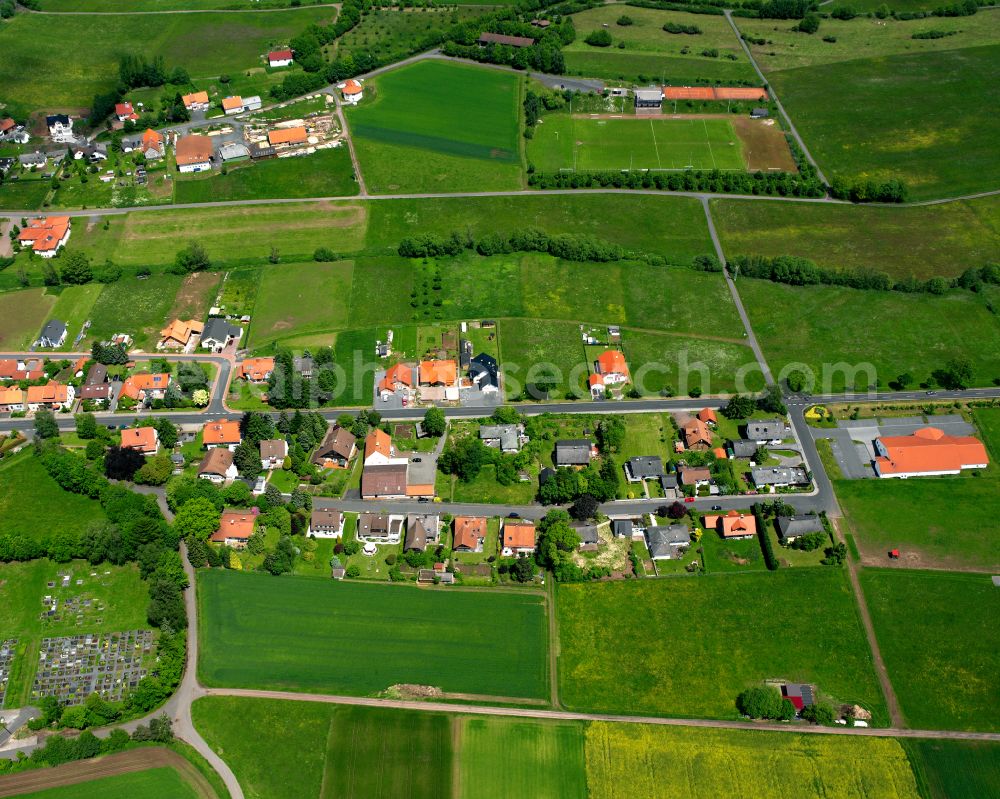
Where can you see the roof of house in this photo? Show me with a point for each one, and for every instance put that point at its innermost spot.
(573, 451)
(45, 233)
(507, 434)
(645, 466)
(799, 525)
(273, 448)
(50, 393)
(152, 139)
(733, 524)
(743, 448)
(719, 453)
(256, 368)
(518, 534)
(595, 380)
(443, 372)
(296, 135)
(279, 55)
(380, 480)
(225, 431)
(612, 362)
(707, 415)
(326, 518)
(139, 382)
(12, 395)
(7, 124)
(668, 481)
(664, 539)
(217, 460)
(398, 373)
(779, 475)
(696, 432)
(511, 41)
(765, 429)
(193, 149)
(375, 524)
(689, 475)
(14, 369)
(57, 119)
(182, 331)
(484, 364)
(218, 329)
(94, 391)
(351, 87)
(338, 442)
(420, 527)
(468, 531)
(235, 524)
(232, 103)
(54, 330)
(195, 97)
(930, 449)
(378, 441)
(144, 439)
(123, 109)
(621, 527)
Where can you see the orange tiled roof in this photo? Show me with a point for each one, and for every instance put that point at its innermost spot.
(612, 362)
(400, 373)
(518, 534)
(378, 441)
(696, 432)
(234, 524)
(223, 432)
(707, 415)
(596, 380)
(45, 233)
(182, 331)
(256, 369)
(287, 136)
(468, 531)
(352, 87)
(152, 139)
(733, 524)
(135, 384)
(194, 97)
(930, 449)
(53, 393)
(443, 372)
(143, 439)
(232, 103)
(11, 396)
(193, 149)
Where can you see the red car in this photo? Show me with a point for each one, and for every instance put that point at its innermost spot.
(689, 499)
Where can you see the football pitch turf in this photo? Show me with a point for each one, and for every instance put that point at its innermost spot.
(592, 144)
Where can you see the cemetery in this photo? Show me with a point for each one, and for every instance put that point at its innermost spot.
(6, 659)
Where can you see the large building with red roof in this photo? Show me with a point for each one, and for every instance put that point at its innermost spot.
(45, 235)
(926, 452)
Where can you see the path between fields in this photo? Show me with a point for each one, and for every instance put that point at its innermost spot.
(23, 9)
(107, 766)
(565, 715)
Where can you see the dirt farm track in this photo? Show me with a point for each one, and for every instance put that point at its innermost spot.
(109, 766)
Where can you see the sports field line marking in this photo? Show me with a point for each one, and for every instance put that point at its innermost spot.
(653, 131)
(708, 141)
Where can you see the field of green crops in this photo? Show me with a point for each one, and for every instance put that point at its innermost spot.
(154, 783)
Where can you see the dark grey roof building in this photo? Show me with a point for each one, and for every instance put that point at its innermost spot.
(742, 448)
(621, 528)
(573, 452)
(665, 541)
(791, 527)
(646, 467)
(484, 371)
(218, 333)
(766, 430)
(779, 476)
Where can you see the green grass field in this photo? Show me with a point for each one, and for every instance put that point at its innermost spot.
(575, 142)
(73, 306)
(939, 239)
(325, 173)
(938, 635)
(207, 45)
(302, 298)
(651, 54)
(509, 758)
(142, 305)
(362, 638)
(110, 6)
(630, 761)
(416, 133)
(955, 769)
(22, 316)
(155, 783)
(24, 193)
(830, 327)
(398, 31)
(687, 647)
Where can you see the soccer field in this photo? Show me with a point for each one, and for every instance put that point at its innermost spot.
(591, 144)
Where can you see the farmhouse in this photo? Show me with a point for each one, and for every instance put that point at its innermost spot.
(697, 435)
(648, 98)
(287, 137)
(256, 370)
(217, 466)
(518, 537)
(224, 433)
(379, 449)
(421, 530)
(612, 368)
(508, 41)
(142, 439)
(193, 153)
(791, 527)
(53, 395)
(336, 449)
(235, 529)
(767, 431)
(647, 467)
(380, 528)
(326, 523)
(196, 101)
(180, 335)
(779, 476)
(153, 146)
(733, 525)
(11, 399)
(694, 476)
(485, 373)
(505, 437)
(352, 91)
(928, 451)
(574, 452)
(280, 58)
(60, 128)
(665, 542)
(219, 334)
(470, 534)
(53, 334)
(143, 386)
(232, 105)
(273, 452)
(384, 481)
(46, 235)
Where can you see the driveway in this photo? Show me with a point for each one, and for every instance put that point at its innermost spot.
(852, 457)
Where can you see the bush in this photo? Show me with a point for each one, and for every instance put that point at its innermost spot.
(599, 38)
(353, 571)
(624, 20)
(764, 703)
(324, 254)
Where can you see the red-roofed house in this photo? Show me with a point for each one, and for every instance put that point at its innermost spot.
(596, 386)
(733, 525)
(396, 378)
(143, 386)
(378, 448)
(124, 112)
(280, 58)
(517, 537)
(53, 395)
(612, 368)
(926, 452)
(16, 369)
(45, 235)
(11, 399)
(235, 528)
(142, 439)
(696, 435)
(256, 370)
(154, 146)
(707, 415)
(223, 433)
(352, 91)
(470, 533)
(438, 373)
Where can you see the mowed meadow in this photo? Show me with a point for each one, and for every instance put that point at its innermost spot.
(317, 636)
(437, 126)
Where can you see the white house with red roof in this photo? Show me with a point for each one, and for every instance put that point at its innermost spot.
(125, 112)
(352, 91)
(280, 58)
(45, 235)
(927, 452)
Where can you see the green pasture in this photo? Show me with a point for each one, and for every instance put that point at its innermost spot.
(302, 297)
(682, 364)
(401, 31)
(687, 647)
(641, 761)
(138, 307)
(955, 769)
(325, 173)
(22, 316)
(154, 783)
(377, 635)
(938, 636)
(923, 241)
(204, 44)
(111, 6)
(25, 193)
(833, 330)
(565, 142)
(73, 306)
(416, 133)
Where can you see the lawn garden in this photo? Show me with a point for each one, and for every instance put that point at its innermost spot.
(416, 133)
(687, 646)
(938, 635)
(376, 635)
